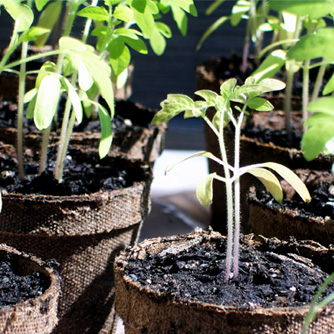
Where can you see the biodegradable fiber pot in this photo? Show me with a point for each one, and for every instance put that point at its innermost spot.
(32, 316)
(133, 135)
(147, 310)
(83, 233)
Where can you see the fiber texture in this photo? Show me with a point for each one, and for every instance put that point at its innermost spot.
(83, 234)
(146, 311)
(34, 316)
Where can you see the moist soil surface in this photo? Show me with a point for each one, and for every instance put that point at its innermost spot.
(265, 278)
(16, 286)
(321, 187)
(83, 174)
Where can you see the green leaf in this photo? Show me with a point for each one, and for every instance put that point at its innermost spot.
(157, 42)
(329, 87)
(226, 89)
(84, 78)
(70, 43)
(260, 104)
(40, 4)
(20, 13)
(270, 65)
(289, 176)
(204, 189)
(31, 107)
(270, 181)
(123, 13)
(315, 9)
(143, 14)
(75, 99)
(47, 68)
(238, 10)
(28, 96)
(94, 13)
(197, 154)
(33, 33)
(209, 96)
(47, 101)
(47, 20)
(106, 132)
(321, 122)
(120, 56)
(313, 46)
(172, 106)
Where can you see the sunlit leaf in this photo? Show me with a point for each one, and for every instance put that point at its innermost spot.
(47, 101)
(204, 189)
(75, 99)
(270, 181)
(106, 132)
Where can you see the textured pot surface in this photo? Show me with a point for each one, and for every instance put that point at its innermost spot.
(37, 315)
(144, 310)
(83, 233)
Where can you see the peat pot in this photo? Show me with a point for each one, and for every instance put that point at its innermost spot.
(294, 218)
(83, 233)
(151, 296)
(36, 314)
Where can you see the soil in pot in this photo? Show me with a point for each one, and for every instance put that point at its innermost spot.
(177, 283)
(295, 218)
(83, 232)
(29, 290)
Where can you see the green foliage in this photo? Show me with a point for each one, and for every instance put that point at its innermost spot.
(320, 127)
(246, 96)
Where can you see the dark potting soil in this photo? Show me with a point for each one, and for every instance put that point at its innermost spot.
(16, 286)
(265, 278)
(83, 174)
(321, 188)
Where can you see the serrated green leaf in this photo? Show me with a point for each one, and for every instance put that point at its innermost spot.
(106, 132)
(94, 13)
(289, 176)
(75, 99)
(47, 101)
(313, 46)
(47, 20)
(270, 181)
(210, 97)
(172, 106)
(270, 65)
(227, 87)
(204, 189)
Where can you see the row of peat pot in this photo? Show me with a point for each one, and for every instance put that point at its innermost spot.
(78, 236)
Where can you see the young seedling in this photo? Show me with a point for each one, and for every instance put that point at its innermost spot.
(246, 96)
(304, 37)
(254, 11)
